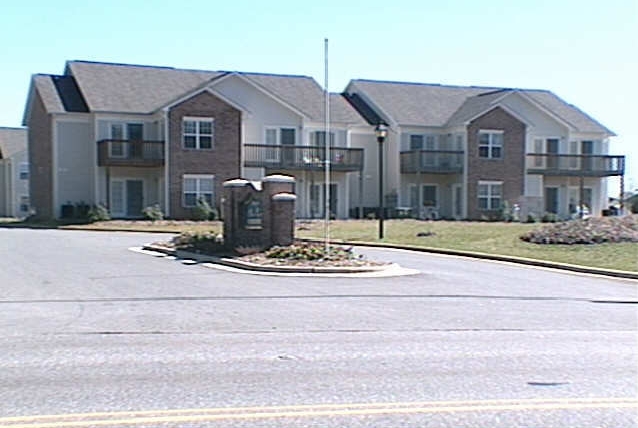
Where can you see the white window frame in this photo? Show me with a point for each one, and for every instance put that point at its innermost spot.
(197, 134)
(121, 151)
(198, 192)
(490, 196)
(23, 170)
(491, 144)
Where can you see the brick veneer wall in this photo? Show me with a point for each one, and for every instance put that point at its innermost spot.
(223, 161)
(278, 216)
(40, 141)
(510, 169)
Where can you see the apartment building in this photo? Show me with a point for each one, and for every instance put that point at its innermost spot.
(14, 173)
(130, 136)
(462, 152)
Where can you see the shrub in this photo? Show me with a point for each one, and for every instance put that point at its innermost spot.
(634, 206)
(506, 212)
(201, 242)
(98, 213)
(153, 213)
(203, 211)
(531, 218)
(549, 218)
(309, 252)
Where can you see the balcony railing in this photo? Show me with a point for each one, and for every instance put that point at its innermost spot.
(302, 157)
(432, 161)
(130, 153)
(575, 165)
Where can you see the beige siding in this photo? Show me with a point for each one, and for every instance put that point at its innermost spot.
(75, 163)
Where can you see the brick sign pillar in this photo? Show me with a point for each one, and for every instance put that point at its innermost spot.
(258, 215)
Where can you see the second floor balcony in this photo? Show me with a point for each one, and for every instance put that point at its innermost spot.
(432, 161)
(309, 158)
(130, 153)
(575, 165)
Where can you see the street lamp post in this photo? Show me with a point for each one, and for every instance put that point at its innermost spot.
(381, 132)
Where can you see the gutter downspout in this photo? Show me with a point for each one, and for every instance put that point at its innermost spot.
(167, 204)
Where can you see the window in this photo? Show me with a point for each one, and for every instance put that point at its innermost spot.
(197, 133)
(24, 203)
(416, 142)
(429, 195)
(318, 138)
(490, 194)
(196, 187)
(24, 171)
(491, 144)
(117, 131)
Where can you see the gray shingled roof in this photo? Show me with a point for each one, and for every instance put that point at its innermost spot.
(417, 103)
(568, 112)
(304, 94)
(474, 106)
(132, 88)
(144, 89)
(44, 85)
(12, 141)
(441, 105)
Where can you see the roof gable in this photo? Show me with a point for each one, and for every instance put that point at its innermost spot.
(12, 141)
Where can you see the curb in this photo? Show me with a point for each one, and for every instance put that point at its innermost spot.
(230, 262)
(484, 256)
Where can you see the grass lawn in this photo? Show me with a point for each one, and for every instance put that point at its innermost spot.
(492, 238)
(483, 237)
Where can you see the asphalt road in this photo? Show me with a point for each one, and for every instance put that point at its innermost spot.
(94, 334)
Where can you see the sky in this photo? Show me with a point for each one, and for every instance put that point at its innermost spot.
(585, 51)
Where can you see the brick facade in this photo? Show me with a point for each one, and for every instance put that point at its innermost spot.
(222, 161)
(40, 160)
(510, 168)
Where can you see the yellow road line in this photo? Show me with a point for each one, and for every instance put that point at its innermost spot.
(308, 411)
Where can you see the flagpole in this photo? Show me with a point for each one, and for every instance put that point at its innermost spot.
(327, 148)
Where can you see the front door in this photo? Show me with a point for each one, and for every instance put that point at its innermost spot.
(458, 201)
(287, 140)
(135, 132)
(586, 150)
(551, 200)
(552, 150)
(317, 198)
(134, 198)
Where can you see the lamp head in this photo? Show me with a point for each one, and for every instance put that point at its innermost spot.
(381, 132)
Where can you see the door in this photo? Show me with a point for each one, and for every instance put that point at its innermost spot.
(457, 201)
(587, 150)
(135, 133)
(551, 200)
(552, 151)
(288, 140)
(134, 198)
(317, 198)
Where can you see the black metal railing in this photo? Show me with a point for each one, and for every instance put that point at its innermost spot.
(575, 165)
(130, 153)
(302, 157)
(432, 161)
